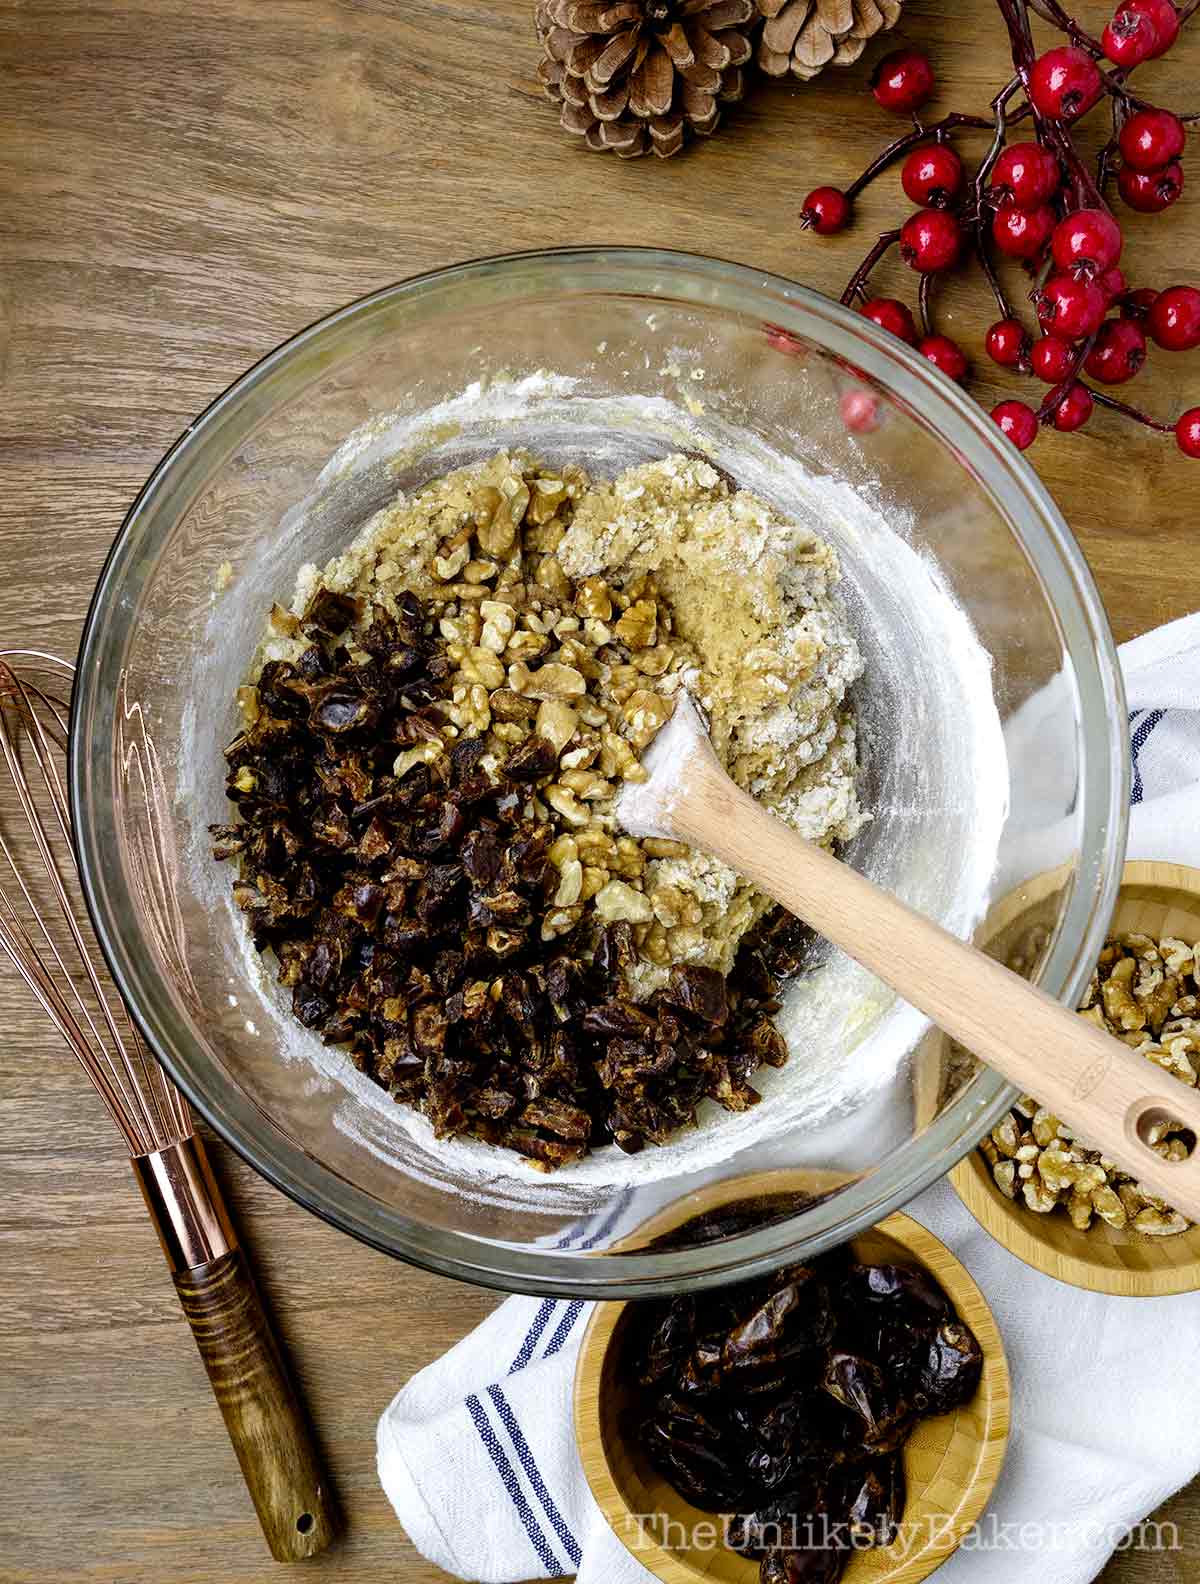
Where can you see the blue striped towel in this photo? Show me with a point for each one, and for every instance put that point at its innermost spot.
(477, 1453)
(1162, 690)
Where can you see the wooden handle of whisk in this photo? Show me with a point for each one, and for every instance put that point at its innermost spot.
(1093, 1082)
(263, 1415)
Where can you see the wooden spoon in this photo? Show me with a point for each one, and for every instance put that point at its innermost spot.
(1104, 1091)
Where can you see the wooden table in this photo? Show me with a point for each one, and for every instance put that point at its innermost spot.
(181, 187)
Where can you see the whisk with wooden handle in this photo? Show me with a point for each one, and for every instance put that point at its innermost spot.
(42, 935)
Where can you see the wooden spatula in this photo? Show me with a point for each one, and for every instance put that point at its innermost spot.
(1098, 1086)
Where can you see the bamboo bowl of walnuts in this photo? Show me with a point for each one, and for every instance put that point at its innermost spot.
(1146, 991)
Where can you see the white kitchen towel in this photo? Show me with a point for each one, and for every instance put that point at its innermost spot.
(1162, 690)
(477, 1452)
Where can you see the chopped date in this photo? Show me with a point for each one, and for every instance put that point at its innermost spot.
(698, 991)
(330, 613)
(534, 760)
(781, 1401)
(339, 710)
(405, 915)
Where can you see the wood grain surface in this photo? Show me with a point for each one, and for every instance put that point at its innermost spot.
(181, 187)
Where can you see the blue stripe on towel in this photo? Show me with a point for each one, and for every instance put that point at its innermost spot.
(512, 1485)
(509, 1420)
(565, 1325)
(540, 1321)
(610, 1220)
(1136, 743)
(546, 1310)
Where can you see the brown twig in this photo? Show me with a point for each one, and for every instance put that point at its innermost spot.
(911, 140)
(1059, 393)
(1107, 155)
(1127, 411)
(924, 293)
(983, 241)
(857, 282)
(1051, 11)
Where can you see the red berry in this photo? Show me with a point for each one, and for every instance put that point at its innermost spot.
(1152, 138)
(826, 210)
(1118, 353)
(1174, 319)
(930, 240)
(891, 315)
(1087, 242)
(1130, 38)
(1162, 16)
(860, 410)
(1023, 233)
(1070, 308)
(1113, 284)
(1075, 409)
(1025, 174)
(1150, 192)
(1018, 422)
(1007, 343)
(1137, 304)
(1051, 359)
(1187, 432)
(932, 174)
(1064, 83)
(903, 81)
(946, 355)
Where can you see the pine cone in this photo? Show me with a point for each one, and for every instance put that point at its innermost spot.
(635, 75)
(805, 36)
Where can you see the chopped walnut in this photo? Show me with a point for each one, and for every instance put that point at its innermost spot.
(1136, 994)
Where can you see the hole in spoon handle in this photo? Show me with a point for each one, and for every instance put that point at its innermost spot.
(1176, 1181)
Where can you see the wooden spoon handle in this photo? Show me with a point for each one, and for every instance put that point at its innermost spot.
(266, 1423)
(1093, 1082)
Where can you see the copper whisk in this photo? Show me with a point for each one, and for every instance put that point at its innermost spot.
(42, 935)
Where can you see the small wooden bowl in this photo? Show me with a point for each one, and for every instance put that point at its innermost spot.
(1156, 899)
(951, 1463)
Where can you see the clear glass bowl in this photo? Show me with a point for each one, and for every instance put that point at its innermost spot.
(647, 352)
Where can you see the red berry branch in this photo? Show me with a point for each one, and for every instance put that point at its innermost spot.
(1039, 202)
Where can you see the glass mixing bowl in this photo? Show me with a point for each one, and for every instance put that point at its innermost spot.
(953, 555)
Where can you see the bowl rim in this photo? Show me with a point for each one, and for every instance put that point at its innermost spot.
(1021, 1232)
(919, 1243)
(1003, 474)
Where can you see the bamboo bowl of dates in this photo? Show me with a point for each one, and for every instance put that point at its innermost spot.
(1041, 1192)
(843, 1418)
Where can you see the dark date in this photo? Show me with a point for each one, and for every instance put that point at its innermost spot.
(788, 1402)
